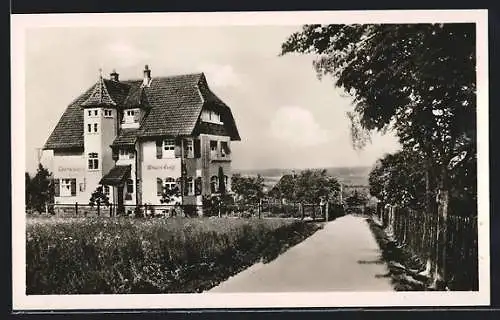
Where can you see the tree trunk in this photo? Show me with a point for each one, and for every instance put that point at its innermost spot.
(429, 232)
(442, 199)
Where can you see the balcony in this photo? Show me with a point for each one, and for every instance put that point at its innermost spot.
(219, 157)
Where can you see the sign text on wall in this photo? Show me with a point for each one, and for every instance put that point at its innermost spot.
(64, 169)
(168, 167)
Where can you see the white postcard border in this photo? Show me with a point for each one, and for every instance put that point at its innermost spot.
(19, 24)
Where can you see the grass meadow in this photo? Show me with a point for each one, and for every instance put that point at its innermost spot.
(125, 255)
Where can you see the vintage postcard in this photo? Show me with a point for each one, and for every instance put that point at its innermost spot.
(250, 160)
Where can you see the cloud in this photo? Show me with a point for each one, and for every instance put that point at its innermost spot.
(297, 126)
(125, 55)
(221, 75)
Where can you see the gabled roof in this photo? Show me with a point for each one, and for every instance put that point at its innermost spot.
(173, 107)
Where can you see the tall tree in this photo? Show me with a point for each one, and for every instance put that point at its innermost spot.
(249, 190)
(309, 186)
(399, 179)
(41, 189)
(27, 190)
(418, 80)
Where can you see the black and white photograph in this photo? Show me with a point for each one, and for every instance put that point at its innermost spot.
(250, 160)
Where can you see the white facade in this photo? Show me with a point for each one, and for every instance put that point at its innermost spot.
(136, 170)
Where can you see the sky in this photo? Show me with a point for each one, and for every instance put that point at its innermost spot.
(286, 116)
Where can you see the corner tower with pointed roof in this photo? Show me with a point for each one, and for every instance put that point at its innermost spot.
(136, 137)
(100, 114)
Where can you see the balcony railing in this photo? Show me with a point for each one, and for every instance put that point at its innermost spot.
(217, 156)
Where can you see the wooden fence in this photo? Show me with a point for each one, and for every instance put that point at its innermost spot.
(417, 230)
(261, 209)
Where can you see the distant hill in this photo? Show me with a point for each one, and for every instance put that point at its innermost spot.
(348, 175)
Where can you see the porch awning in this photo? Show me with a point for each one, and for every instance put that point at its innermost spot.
(116, 176)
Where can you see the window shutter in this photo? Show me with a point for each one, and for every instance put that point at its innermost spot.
(57, 188)
(185, 188)
(158, 149)
(197, 186)
(73, 187)
(197, 148)
(159, 187)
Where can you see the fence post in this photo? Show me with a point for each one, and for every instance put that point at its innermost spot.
(301, 207)
(98, 208)
(76, 208)
(259, 208)
(326, 212)
(110, 210)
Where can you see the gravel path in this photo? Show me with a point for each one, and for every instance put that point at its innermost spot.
(343, 256)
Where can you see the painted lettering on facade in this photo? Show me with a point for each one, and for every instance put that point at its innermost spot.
(66, 169)
(165, 167)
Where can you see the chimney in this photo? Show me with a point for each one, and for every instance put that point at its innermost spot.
(114, 76)
(147, 76)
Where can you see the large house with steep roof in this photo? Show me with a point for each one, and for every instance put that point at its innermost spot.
(136, 137)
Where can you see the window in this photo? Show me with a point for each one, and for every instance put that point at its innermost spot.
(90, 113)
(96, 112)
(214, 184)
(130, 186)
(106, 190)
(226, 182)
(213, 146)
(189, 187)
(224, 148)
(169, 148)
(68, 188)
(126, 154)
(213, 149)
(108, 113)
(82, 186)
(214, 116)
(169, 144)
(89, 127)
(170, 183)
(93, 161)
(211, 116)
(130, 113)
(95, 127)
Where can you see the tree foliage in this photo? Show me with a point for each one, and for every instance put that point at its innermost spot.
(99, 198)
(399, 179)
(417, 79)
(27, 190)
(40, 188)
(248, 190)
(356, 199)
(309, 186)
